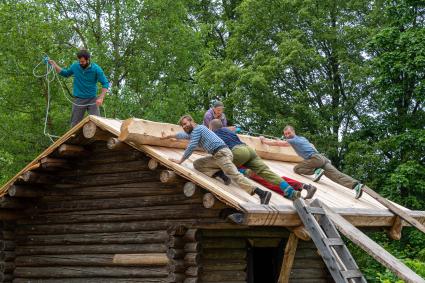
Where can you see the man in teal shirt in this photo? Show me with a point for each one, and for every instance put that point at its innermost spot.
(86, 76)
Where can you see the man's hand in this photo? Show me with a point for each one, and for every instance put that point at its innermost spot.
(99, 101)
(178, 161)
(232, 128)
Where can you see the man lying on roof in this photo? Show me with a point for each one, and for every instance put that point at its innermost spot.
(314, 162)
(245, 156)
(219, 163)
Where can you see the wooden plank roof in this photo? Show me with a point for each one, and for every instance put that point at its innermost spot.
(365, 211)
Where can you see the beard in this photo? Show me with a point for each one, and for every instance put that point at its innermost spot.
(188, 129)
(84, 66)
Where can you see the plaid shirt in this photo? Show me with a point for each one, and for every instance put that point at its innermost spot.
(203, 137)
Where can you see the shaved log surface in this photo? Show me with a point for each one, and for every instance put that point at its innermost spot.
(213, 265)
(90, 249)
(95, 238)
(148, 132)
(113, 191)
(153, 259)
(93, 280)
(95, 227)
(79, 271)
(130, 202)
(222, 276)
(107, 168)
(190, 211)
(224, 253)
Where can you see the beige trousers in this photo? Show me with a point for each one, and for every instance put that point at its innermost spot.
(223, 159)
(319, 161)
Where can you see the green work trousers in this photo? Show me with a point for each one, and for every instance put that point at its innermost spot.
(243, 155)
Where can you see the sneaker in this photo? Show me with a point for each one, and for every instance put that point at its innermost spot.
(358, 189)
(311, 190)
(318, 173)
(264, 195)
(295, 195)
(222, 176)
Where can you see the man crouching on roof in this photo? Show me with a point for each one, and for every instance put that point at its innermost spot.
(219, 163)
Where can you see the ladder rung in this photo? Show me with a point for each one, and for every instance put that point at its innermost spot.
(351, 273)
(333, 242)
(315, 210)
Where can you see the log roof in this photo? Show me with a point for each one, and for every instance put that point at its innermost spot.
(365, 211)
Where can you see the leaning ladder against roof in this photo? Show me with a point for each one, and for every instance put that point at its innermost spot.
(333, 250)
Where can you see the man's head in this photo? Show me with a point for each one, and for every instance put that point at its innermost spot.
(187, 123)
(216, 124)
(84, 58)
(218, 108)
(289, 132)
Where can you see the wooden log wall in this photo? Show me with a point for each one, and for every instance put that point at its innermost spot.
(7, 251)
(224, 255)
(95, 213)
(308, 266)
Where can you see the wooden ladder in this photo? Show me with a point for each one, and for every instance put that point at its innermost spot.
(332, 248)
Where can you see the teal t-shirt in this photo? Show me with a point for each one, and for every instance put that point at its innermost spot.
(85, 80)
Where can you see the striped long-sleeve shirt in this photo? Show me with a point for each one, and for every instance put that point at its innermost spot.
(204, 138)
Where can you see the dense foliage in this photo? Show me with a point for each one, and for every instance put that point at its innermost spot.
(349, 75)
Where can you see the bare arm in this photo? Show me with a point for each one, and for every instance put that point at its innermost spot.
(274, 142)
(55, 66)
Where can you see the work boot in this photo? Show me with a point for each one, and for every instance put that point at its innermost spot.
(318, 173)
(311, 190)
(264, 195)
(222, 176)
(358, 189)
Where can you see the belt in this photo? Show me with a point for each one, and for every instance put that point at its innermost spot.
(218, 148)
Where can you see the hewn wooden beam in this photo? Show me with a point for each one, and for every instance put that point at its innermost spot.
(147, 132)
(396, 210)
(288, 258)
(301, 232)
(141, 259)
(395, 231)
(372, 248)
(287, 217)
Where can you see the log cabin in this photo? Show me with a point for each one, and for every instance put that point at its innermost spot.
(104, 204)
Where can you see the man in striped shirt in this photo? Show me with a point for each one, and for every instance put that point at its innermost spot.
(245, 156)
(219, 163)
